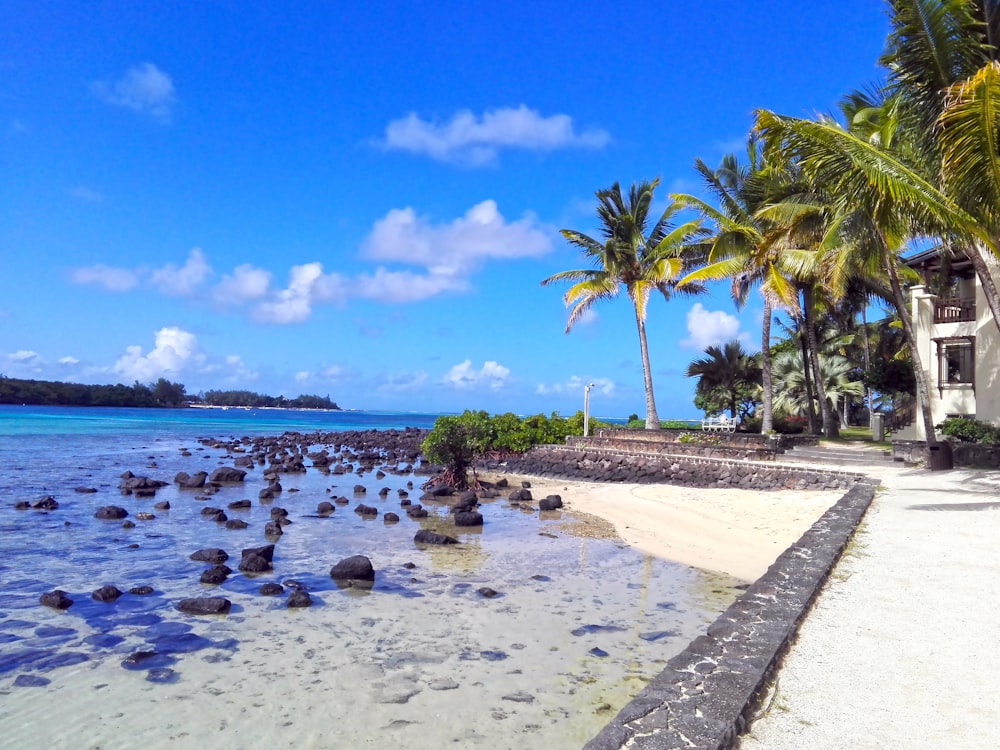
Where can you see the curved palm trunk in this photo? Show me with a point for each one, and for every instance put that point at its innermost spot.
(868, 363)
(806, 377)
(767, 415)
(826, 413)
(923, 391)
(652, 421)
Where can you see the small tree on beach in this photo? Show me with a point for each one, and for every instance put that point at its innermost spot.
(631, 256)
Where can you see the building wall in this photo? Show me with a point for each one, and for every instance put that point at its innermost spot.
(981, 401)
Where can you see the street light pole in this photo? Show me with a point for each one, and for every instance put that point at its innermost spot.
(586, 409)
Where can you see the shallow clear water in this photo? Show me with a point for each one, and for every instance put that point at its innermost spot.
(580, 623)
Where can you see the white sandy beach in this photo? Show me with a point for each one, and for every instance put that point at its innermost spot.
(735, 532)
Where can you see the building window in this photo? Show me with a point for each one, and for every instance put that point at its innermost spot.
(956, 361)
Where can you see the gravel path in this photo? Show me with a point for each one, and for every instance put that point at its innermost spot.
(902, 649)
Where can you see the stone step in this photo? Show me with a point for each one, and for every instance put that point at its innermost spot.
(837, 456)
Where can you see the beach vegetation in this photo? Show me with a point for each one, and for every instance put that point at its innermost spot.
(163, 393)
(258, 400)
(634, 254)
(970, 431)
(729, 380)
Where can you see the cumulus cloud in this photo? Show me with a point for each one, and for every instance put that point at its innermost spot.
(476, 140)
(144, 88)
(449, 252)
(112, 279)
(244, 284)
(69, 361)
(576, 384)
(463, 377)
(710, 327)
(174, 351)
(23, 355)
(182, 281)
(307, 284)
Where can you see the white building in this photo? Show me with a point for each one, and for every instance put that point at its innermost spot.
(958, 340)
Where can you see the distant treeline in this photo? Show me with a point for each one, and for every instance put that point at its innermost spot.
(162, 393)
(249, 398)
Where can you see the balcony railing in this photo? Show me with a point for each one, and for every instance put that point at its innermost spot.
(954, 309)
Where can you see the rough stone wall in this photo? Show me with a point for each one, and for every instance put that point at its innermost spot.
(707, 448)
(971, 455)
(602, 465)
(707, 695)
(778, 443)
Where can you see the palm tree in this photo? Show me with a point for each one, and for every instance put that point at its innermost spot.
(727, 370)
(631, 256)
(791, 397)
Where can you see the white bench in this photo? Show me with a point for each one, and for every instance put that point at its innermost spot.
(719, 424)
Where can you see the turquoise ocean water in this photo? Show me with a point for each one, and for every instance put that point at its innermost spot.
(580, 623)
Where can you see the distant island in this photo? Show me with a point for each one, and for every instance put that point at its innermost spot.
(161, 394)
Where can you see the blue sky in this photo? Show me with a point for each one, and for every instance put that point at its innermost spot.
(360, 200)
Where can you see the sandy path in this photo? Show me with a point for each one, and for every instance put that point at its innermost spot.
(736, 532)
(900, 650)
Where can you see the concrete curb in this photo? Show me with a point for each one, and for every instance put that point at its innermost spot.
(705, 697)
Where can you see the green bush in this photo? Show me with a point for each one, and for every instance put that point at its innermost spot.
(970, 431)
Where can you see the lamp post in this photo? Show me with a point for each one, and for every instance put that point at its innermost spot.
(586, 409)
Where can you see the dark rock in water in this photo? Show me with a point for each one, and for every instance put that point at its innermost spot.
(106, 594)
(210, 555)
(441, 490)
(487, 593)
(141, 590)
(381, 475)
(540, 577)
(526, 484)
(45, 503)
(144, 516)
(239, 505)
(405, 502)
(657, 635)
(409, 565)
(390, 517)
(366, 510)
(236, 524)
(208, 510)
(277, 512)
(341, 500)
(595, 651)
(417, 512)
(268, 493)
(227, 475)
(470, 518)
(128, 525)
(355, 568)
(85, 490)
(502, 483)
(325, 508)
(56, 599)
(31, 680)
(162, 505)
(22, 505)
(272, 589)
(188, 482)
(299, 599)
(520, 496)
(266, 551)
(131, 483)
(588, 629)
(216, 574)
(210, 605)
(253, 563)
(296, 585)
(111, 513)
(138, 657)
(245, 462)
(272, 528)
(402, 493)
(384, 492)
(360, 489)
(552, 502)
(432, 537)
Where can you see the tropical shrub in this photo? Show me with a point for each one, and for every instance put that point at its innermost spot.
(970, 431)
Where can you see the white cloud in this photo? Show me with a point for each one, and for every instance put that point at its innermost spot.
(23, 355)
(112, 279)
(463, 377)
(303, 376)
(182, 281)
(710, 327)
(307, 285)
(575, 384)
(244, 284)
(449, 252)
(469, 139)
(144, 88)
(174, 351)
(69, 361)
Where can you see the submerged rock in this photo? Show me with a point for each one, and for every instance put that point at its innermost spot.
(209, 605)
(56, 599)
(356, 568)
(111, 513)
(432, 537)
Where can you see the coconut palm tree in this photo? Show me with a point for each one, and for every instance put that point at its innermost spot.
(634, 255)
(790, 393)
(726, 370)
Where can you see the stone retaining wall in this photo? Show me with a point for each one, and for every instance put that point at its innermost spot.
(603, 465)
(708, 448)
(778, 443)
(970, 455)
(707, 695)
